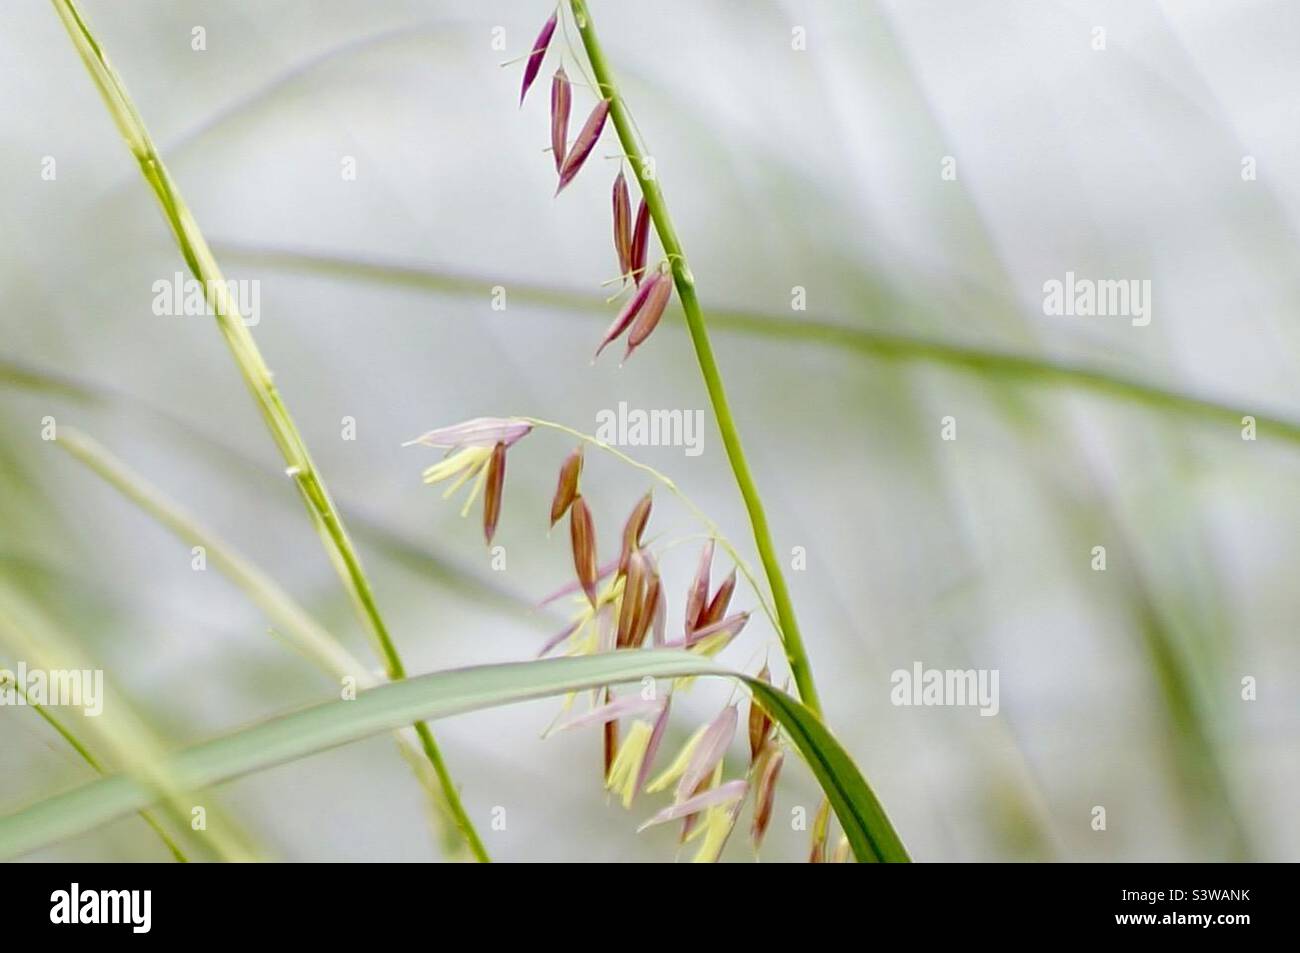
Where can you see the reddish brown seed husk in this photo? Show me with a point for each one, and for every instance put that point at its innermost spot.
(717, 609)
(649, 606)
(640, 242)
(583, 144)
(633, 529)
(633, 595)
(661, 287)
(561, 101)
(625, 317)
(582, 536)
(611, 736)
(536, 56)
(566, 490)
(496, 479)
(622, 224)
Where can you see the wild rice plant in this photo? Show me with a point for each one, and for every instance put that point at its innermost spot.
(621, 607)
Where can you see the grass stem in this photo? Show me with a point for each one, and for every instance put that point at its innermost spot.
(257, 375)
(791, 638)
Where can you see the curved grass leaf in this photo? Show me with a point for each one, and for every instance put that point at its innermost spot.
(388, 707)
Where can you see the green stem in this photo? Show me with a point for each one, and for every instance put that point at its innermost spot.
(791, 639)
(76, 744)
(257, 375)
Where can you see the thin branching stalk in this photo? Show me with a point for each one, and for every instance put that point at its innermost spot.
(258, 377)
(791, 638)
(711, 528)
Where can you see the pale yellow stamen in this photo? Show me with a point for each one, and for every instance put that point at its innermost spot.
(627, 763)
(678, 767)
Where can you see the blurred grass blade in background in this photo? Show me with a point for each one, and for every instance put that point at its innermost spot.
(292, 623)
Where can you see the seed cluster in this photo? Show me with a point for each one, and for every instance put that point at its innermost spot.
(622, 604)
(631, 241)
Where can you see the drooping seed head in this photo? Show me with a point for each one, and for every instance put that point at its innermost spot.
(640, 242)
(582, 536)
(622, 224)
(647, 319)
(496, 479)
(566, 490)
(765, 796)
(561, 102)
(535, 58)
(583, 144)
